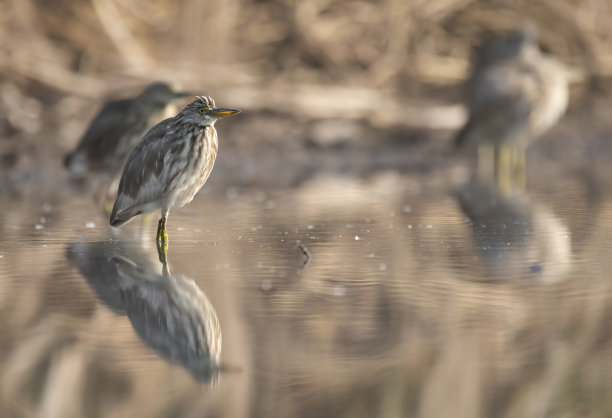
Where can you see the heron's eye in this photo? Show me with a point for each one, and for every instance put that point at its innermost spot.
(203, 110)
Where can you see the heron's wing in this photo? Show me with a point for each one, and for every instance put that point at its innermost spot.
(142, 181)
(105, 131)
(500, 105)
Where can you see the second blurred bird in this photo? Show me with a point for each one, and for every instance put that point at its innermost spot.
(516, 93)
(116, 130)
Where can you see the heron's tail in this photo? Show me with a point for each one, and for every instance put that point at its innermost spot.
(119, 218)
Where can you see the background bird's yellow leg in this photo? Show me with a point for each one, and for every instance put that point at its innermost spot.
(504, 169)
(108, 207)
(486, 162)
(519, 169)
(144, 226)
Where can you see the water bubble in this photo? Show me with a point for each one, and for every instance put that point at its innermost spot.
(382, 267)
(180, 228)
(39, 226)
(266, 285)
(357, 238)
(90, 225)
(339, 290)
(407, 209)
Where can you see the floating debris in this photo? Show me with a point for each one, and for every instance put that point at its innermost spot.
(339, 290)
(305, 252)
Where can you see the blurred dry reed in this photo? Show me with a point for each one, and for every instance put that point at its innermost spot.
(86, 48)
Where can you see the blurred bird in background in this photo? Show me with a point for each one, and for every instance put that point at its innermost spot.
(515, 94)
(115, 131)
(169, 165)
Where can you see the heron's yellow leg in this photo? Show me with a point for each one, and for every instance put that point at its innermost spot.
(162, 233)
(486, 162)
(162, 240)
(504, 169)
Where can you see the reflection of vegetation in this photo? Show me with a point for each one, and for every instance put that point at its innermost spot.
(323, 41)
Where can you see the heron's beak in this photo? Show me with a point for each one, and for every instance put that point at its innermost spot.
(220, 113)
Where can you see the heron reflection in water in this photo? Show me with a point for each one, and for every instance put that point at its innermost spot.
(168, 311)
(515, 94)
(513, 237)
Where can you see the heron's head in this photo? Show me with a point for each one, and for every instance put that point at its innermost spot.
(203, 112)
(161, 93)
(520, 43)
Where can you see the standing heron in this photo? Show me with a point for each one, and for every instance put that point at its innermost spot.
(169, 165)
(115, 131)
(516, 93)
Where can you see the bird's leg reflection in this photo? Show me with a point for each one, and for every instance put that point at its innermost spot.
(486, 162)
(162, 251)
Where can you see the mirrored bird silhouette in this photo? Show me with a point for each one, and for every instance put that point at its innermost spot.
(116, 129)
(513, 237)
(516, 93)
(168, 311)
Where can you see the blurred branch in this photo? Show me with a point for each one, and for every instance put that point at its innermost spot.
(116, 28)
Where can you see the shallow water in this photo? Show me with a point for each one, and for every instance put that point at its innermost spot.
(340, 297)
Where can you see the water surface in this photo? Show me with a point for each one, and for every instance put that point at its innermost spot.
(360, 297)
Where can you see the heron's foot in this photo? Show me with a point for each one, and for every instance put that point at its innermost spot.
(162, 251)
(162, 233)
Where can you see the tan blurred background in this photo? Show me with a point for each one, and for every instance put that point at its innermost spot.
(389, 64)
